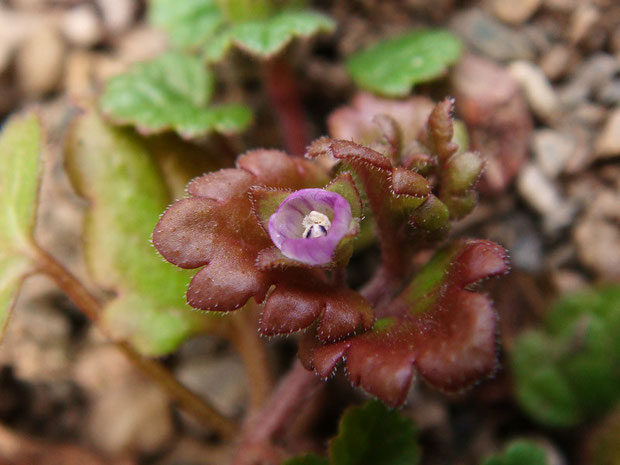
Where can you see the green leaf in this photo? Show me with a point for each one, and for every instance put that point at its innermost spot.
(308, 459)
(267, 37)
(374, 435)
(20, 175)
(214, 27)
(393, 66)
(171, 91)
(112, 169)
(568, 372)
(520, 452)
(189, 23)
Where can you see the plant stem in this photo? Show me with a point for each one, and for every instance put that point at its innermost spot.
(253, 352)
(380, 290)
(204, 413)
(281, 85)
(395, 255)
(290, 395)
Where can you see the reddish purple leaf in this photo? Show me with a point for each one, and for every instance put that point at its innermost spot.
(437, 323)
(362, 121)
(217, 229)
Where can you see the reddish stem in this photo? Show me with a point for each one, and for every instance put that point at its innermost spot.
(281, 85)
(380, 290)
(293, 391)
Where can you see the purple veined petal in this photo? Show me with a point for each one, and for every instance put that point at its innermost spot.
(286, 225)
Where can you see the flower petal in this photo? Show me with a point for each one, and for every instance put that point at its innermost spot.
(285, 225)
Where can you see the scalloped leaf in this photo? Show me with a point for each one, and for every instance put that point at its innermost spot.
(170, 92)
(520, 452)
(369, 434)
(373, 434)
(568, 372)
(436, 323)
(358, 121)
(113, 170)
(189, 23)
(202, 24)
(267, 37)
(20, 176)
(217, 230)
(393, 66)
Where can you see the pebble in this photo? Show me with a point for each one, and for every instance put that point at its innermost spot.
(591, 75)
(561, 5)
(141, 43)
(39, 62)
(129, 418)
(555, 62)
(81, 26)
(492, 38)
(609, 93)
(598, 237)
(582, 22)
(519, 234)
(37, 340)
(608, 141)
(515, 11)
(118, 15)
(552, 150)
(614, 40)
(544, 197)
(589, 114)
(220, 379)
(538, 91)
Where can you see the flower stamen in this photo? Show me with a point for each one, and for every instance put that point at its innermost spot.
(316, 224)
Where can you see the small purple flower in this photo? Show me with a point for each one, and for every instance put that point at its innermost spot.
(309, 225)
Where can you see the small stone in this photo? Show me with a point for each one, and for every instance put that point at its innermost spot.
(118, 15)
(555, 61)
(78, 75)
(598, 237)
(589, 114)
(561, 5)
(614, 40)
(519, 234)
(583, 21)
(81, 26)
(591, 75)
(37, 340)
(609, 93)
(39, 62)
(544, 197)
(515, 11)
(141, 43)
(492, 38)
(566, 281)
(608, 141)
(538, 91)
(130, 418)
(221, 379)
(552, 150)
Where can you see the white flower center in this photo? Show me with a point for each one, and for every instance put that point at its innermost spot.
(316, 224)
